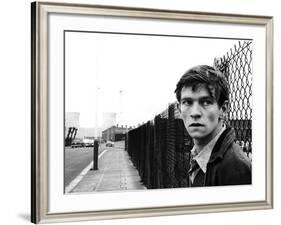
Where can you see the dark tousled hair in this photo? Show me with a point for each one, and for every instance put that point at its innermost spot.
(207, 76)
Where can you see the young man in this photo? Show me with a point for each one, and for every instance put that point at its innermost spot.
(202, 94)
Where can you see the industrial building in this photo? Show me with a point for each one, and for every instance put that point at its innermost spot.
(115, 133)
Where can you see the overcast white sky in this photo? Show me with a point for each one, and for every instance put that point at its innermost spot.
(145, 68)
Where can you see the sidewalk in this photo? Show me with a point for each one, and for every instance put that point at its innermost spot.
(116, 172)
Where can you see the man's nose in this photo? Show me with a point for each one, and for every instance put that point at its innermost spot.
(195, 111)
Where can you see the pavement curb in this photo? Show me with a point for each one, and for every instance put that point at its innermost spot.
(77, 179)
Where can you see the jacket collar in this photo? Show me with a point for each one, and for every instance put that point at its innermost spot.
(202, 157)
(223, 143)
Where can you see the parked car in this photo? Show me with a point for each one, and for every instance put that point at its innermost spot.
(109, 144)
(88, 142)
(77, 145)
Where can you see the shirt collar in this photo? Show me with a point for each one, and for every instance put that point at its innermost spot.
(202, 157)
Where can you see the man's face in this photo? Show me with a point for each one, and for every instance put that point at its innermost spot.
(200, 113)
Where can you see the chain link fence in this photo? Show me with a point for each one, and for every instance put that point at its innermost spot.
(160, 148)
(236, 66)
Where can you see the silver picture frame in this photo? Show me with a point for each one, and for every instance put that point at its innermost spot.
(40, 12)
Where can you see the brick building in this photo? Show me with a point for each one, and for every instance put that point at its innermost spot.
(115, 133)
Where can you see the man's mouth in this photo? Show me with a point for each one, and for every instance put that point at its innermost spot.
(196, 125)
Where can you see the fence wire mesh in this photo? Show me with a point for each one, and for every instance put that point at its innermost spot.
(236, 66)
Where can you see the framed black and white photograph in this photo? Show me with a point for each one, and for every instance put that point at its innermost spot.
(148, 112)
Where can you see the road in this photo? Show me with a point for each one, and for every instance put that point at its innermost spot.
(76, 159)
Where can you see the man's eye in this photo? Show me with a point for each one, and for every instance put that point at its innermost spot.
(186, 102)
(206, 102)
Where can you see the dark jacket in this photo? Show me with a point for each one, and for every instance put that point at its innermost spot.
(228, 165)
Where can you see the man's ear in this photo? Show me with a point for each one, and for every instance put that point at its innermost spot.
(224, 106)
(178, 106)
(179, 109)
(224, 109)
